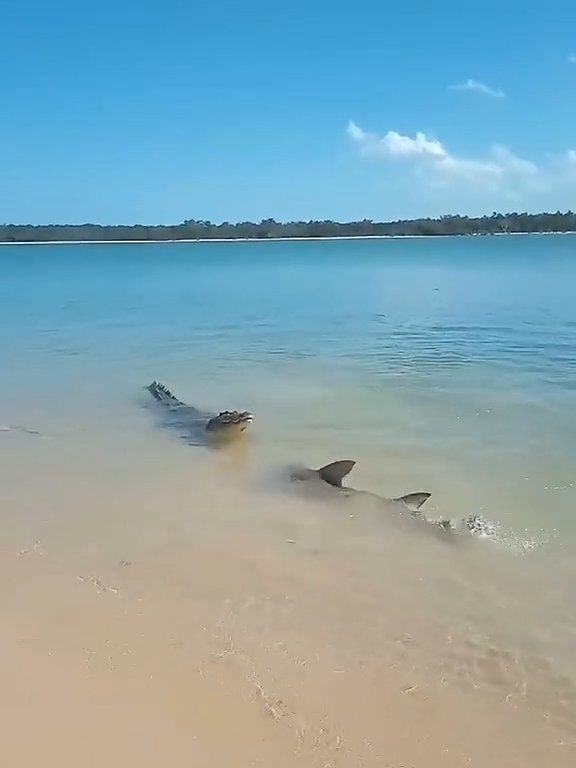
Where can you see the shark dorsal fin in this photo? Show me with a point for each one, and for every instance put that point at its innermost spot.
(334, 472)
(414, 500)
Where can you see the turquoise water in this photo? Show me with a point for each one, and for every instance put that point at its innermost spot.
(457, 350)
(446, 365)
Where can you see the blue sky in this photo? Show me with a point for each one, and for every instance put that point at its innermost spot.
(156, 112)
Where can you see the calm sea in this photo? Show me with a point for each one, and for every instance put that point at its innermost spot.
(445, 365)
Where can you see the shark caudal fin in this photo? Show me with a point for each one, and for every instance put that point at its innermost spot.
(334, 473)
(414, 501)
(162, 394)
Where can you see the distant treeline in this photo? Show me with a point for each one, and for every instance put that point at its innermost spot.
(191, 229)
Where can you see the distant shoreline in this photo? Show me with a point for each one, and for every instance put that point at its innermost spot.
(221, 240)
(270, 230)
(151, 241)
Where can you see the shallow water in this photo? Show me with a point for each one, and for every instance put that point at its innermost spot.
(181, 594)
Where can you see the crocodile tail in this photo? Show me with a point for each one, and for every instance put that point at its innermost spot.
(163, 394)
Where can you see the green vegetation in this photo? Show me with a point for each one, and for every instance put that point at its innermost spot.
(497, 223)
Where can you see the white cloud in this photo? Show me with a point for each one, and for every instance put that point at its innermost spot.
(499, 167)
(356, 133)
(478, 87)
(397, 144)
(394, 143)
(565, 168)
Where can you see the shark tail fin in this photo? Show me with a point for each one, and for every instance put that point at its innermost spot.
(334, 473)
(162, 394)
(414, 501)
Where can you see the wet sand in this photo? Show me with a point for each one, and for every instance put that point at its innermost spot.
(159, 605)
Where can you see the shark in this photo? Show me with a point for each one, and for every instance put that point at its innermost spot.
(327, 482)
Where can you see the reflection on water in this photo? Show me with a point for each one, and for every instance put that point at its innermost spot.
(181, 593)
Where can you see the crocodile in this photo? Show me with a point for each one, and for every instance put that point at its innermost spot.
(199, 427)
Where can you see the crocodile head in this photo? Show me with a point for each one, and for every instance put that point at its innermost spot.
(228, 425)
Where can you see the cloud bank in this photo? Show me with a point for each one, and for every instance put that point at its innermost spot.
(430, 157)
